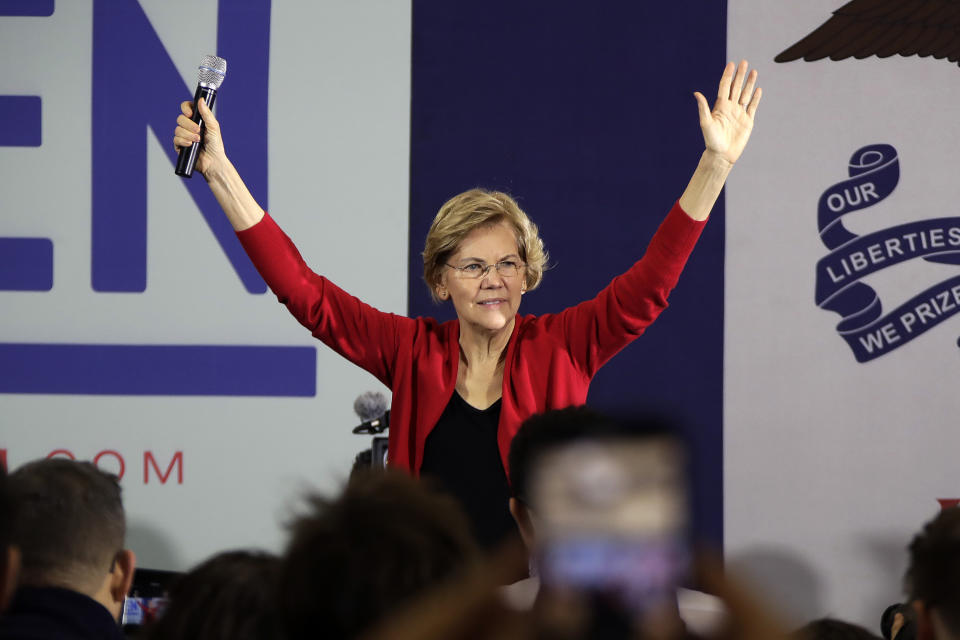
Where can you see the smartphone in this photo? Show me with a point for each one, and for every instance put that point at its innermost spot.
(611, 520)
(148, 597)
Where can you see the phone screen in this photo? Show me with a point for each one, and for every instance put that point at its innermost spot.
(148, 596)
(611, 518)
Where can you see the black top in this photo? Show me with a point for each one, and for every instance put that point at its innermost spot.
(462, 455)
(56, 614)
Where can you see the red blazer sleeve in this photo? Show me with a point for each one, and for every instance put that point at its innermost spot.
(357, 331)
(597, 329)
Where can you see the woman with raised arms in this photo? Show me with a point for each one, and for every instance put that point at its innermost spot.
(462, 388)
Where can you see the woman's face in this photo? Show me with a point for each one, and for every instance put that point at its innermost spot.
(490, 303)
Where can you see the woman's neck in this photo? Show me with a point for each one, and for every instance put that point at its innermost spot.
(477, 347)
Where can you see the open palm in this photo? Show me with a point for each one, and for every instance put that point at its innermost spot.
(727, 127)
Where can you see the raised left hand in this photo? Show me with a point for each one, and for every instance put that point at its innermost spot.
(727, 127)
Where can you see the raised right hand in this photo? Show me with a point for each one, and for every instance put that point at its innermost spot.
(187, 132)
(727, 127)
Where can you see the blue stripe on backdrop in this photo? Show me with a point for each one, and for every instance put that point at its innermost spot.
(585, 113)
(21, 121)
(35, 8)
(26, 264)
(158, 370)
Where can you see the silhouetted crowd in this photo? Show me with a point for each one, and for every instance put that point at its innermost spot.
(600, 507)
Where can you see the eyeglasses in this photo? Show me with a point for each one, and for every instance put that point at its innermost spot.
(477, 270)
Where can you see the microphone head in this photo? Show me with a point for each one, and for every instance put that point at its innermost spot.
(370, 405)
(212, 71)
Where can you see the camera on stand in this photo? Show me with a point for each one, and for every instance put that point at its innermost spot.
(375, 457)
(371, 407)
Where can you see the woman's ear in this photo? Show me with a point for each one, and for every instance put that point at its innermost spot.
(441, 288)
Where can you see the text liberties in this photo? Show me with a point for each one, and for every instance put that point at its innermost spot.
(874, 172)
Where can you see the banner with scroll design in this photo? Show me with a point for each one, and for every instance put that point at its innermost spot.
(874, 172)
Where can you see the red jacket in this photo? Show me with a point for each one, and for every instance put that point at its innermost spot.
(550, 358)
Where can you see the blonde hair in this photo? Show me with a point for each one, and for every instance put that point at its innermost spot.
(474, 209)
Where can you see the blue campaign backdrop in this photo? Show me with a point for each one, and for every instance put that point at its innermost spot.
(585, 113)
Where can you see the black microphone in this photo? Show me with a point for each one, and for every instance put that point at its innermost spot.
(371, 408)
(211, 73)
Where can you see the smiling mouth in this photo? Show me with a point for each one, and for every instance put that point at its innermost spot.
(490, 303)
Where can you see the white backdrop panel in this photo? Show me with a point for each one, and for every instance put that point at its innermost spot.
(339, 150)
(831, 465)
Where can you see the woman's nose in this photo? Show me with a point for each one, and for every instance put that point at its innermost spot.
(491, 279)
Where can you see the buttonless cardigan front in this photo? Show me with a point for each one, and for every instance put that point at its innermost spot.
(550, 359)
